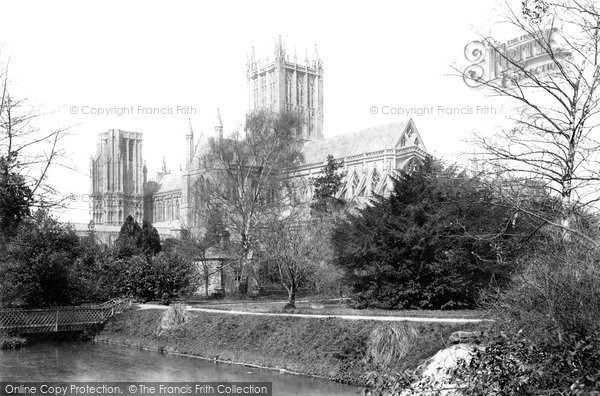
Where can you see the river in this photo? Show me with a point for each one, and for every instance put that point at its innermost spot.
(85, 361)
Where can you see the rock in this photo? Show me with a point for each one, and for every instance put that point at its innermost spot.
(435, 379)
(466, 337)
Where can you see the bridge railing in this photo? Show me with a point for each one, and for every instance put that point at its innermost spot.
(60, 318)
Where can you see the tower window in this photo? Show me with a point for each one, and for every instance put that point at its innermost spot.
(288, 86)
(263, 91)
(300, 92)
(310, 91)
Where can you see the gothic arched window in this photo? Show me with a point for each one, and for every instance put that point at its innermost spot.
(354, 183)
(263, 91)
(255, 94)
(403, 141)
(300, 90)
(375, 179)
(288, 87)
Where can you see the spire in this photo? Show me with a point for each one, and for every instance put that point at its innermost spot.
(190, 130)
(251, 60)
(219, 121)
(189, 143)
(279, 50)
(164, 166)
(219, 126)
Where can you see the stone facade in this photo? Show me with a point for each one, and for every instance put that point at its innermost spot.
(120, 185)
(117, 178)
(284, 84)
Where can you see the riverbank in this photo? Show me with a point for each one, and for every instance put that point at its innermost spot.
(328, 348)
(11, 342)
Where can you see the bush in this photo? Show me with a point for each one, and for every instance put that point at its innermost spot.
(517, 365)
(37, 265)
(548, 337)
(557, 292)
(172, 276)
(388, 343)
(176, 315)
(11, 341)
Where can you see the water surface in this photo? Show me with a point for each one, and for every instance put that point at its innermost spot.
(85, 361)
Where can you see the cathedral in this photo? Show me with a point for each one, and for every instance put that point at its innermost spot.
(121, 187)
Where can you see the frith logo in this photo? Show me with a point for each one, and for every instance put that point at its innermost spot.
(507, 63)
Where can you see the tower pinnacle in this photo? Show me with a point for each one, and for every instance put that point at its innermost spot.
(219, 126)
(189, 143)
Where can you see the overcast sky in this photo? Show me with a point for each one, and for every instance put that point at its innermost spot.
(72, 57)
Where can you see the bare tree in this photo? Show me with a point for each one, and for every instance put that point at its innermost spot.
(553, 142)
(246, 177)
(297, 251)
(25, 149)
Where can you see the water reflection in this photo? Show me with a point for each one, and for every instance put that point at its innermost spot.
(83, 361)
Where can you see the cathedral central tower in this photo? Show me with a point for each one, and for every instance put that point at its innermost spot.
(284, 84)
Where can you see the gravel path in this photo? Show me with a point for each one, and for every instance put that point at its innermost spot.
(320, 316)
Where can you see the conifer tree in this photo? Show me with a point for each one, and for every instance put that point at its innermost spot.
(327, 186)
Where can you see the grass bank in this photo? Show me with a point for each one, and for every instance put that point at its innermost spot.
(330, 348)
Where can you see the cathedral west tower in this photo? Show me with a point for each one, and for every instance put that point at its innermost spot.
(284, 84)
(117, 178)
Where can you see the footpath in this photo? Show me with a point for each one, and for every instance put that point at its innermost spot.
(325, 316)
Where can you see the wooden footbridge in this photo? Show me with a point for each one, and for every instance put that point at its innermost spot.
(21, 321)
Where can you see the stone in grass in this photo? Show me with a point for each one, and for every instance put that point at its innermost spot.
(436, 378)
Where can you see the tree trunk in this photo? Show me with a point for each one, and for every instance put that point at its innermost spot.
(291, 302)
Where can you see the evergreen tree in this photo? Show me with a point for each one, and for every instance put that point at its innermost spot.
(327, 186)
(39, 266)
(435, 242)
(128, 242)
(149, 239)
(15, 198)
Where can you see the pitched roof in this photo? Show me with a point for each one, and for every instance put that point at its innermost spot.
(169, 181)
(365, 141)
